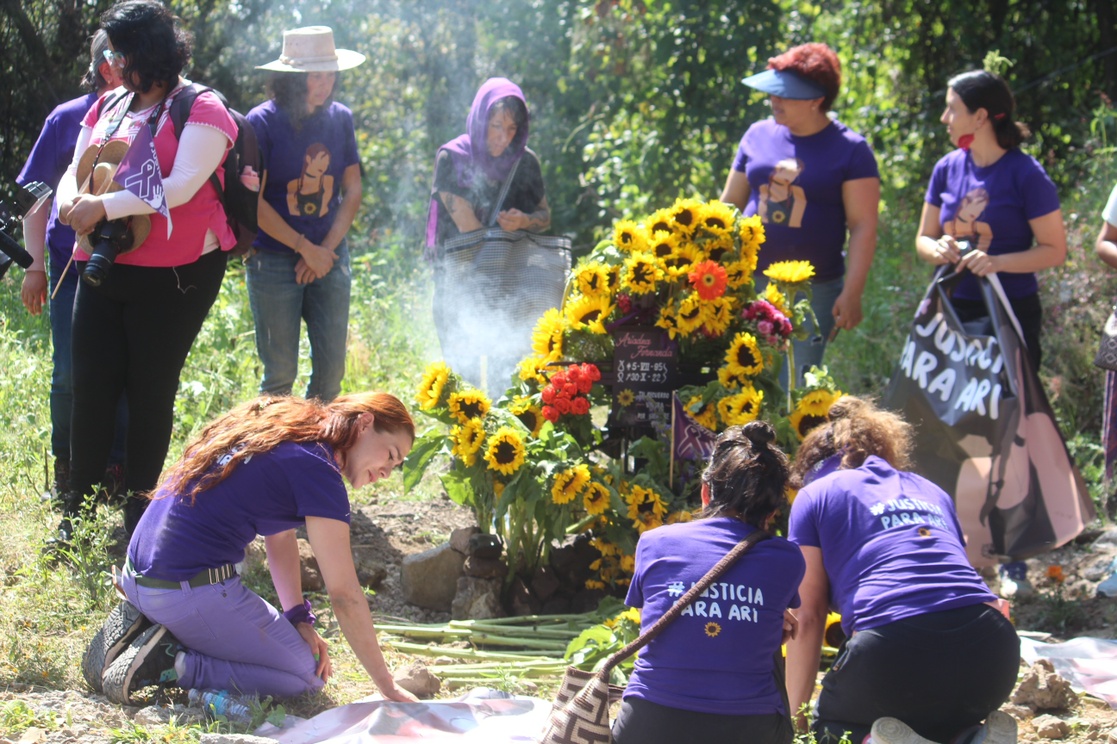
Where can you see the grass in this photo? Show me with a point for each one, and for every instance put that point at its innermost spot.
(51, 608)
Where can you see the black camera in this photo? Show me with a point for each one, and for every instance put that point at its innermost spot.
(107, 240)
(965, 245)
(28, 199)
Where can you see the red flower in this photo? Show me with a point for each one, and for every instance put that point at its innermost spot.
(585, 385)
(570, 391)
(580, 406)
(563, 405)
(548, 394)
(624, 303)
(559, 380)
(591, 371)
(550, 413)
(708, 279)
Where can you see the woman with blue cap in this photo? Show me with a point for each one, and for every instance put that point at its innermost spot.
(812, 180)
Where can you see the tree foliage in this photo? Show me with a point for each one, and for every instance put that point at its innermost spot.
(633, 102)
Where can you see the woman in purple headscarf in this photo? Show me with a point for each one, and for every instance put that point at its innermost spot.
(469, 174)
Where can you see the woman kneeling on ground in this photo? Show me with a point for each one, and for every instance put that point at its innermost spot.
(715, 674)
(267, 467)
(929, 655)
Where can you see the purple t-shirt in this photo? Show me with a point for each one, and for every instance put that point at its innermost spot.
(266, 494)
(891, 544)
(49, 159)
(795, 185)
(717, 657)
(991, 207)
(305, 167)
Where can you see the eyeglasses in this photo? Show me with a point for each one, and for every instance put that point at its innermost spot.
(114, 58)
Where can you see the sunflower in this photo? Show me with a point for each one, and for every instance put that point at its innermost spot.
(751, 232)
(529, 414)
(595, 498)
(720, 249)
(812, 410)
(713, 630)
(646, 520)
(663, 244)
(546, 337)
(743, 357)
(588, 313)
(594, 584)
(741, 408)
(683, 261)
(505, 451)
(790, 272)
(469, 404)
(628, 565)
(716, 218)
(719, 315)
(467, 440)
(642, 499)
(679, 516)
(708, 279)
(661, 221)
(685, 214)
(703, 413)
(669, 318)
(692, 314)
(641, 273)
(569, 483)
(531, 370)
(629, 237)
(625, 398)
(738, 273)
(432, 385)
(776, 298)
(592, 279)
(733, 380)
(603, 546)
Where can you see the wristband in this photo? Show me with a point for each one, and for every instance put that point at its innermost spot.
(300, 614)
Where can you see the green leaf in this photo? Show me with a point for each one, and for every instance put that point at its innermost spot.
(422, 451)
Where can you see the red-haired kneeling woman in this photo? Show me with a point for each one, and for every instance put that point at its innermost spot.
(267, 467)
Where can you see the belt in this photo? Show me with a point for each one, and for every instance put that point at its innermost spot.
(202, 578)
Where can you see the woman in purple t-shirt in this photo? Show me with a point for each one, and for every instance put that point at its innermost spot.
(929, 653)
(715, 673)
(265, 468)
(812, 180)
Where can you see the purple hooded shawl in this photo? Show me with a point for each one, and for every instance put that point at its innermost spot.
(469, 152)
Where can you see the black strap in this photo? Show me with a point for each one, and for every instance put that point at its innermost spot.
(503, 193)
(677, 609)
(180, 113)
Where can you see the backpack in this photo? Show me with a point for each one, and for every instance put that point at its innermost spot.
(238, 200)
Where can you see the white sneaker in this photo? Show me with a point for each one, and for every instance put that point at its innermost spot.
(999, 728)
(895, 731)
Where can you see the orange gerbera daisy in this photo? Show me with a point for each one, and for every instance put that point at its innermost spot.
(709, 279)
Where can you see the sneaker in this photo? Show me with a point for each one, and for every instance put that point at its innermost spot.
(1014, 581)
(148, 660)
(123, 624)
(61, 484)
(999, 728)
(894, 731)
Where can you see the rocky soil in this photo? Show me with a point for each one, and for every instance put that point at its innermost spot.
(1064, 606)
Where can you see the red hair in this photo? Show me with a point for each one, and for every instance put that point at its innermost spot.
(815, 62)
(262, 424)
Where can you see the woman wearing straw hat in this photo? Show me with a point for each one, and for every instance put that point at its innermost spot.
(131, 333)
(310, 192)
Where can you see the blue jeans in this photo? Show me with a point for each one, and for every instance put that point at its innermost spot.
(809, 352)
(234, 640)
(279, 304)
(62, 376)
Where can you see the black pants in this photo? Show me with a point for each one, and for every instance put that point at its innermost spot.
(1028, 311)
(939, 673)
(132, 334)
(643, 722)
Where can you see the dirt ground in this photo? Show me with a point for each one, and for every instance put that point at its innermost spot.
(385, 532)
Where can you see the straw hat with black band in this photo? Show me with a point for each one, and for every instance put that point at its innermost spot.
(96, 170)
(311, 49)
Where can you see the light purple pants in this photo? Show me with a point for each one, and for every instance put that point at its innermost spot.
(234, 639)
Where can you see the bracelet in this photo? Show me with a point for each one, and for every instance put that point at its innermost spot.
(298, 243)
(300, 614)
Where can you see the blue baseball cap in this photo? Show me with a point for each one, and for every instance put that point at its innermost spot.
(785, 84)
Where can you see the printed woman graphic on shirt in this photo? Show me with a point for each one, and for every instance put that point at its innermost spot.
(967, 222)
(310, 193)
(781, 201)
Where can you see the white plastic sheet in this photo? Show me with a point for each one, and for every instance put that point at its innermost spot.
(1089, 664)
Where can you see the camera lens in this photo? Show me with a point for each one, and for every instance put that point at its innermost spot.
(108, 239)
(96, 270)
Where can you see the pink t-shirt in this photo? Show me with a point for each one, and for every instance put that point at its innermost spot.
(190, 221)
